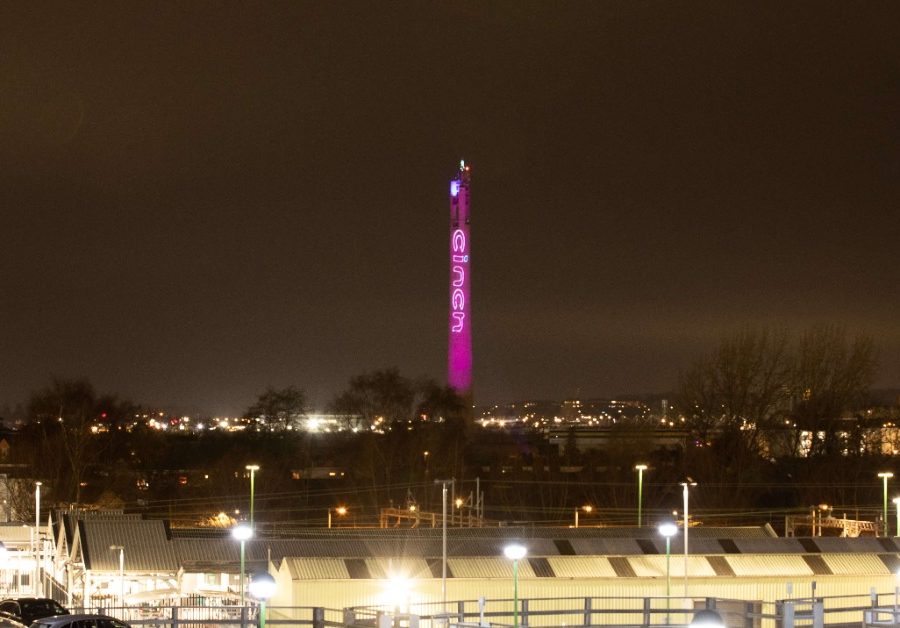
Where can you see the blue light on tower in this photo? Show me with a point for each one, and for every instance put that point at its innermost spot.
(454, 188)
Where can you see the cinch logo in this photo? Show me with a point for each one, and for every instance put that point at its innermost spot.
(458, 280)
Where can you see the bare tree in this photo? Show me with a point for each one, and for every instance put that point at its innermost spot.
(280, 409)
(65, 411)
(741, 389)
(378, 398)
(831, 380)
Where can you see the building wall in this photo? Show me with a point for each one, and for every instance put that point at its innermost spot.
(621, 592)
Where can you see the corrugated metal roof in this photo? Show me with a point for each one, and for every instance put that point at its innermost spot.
(498, 532)
(317, 568)
(147, 549)
(818, 566)
(652, 566)
(844, 544)
(759, 565)
(606, 547)
(703, 546)
(770, 546)
(493, 567)
(387, 568)
(16, 534)
(855, 564)
(581, 567)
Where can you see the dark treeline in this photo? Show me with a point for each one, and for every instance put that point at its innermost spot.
(768, 425)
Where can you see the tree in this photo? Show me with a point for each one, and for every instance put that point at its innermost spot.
(280, 409)
(741, 389)
(376, 399)
(438, 403)
(831, 378)
(759, 390)
(65, 412)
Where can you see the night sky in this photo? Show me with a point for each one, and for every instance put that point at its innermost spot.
(202, 199)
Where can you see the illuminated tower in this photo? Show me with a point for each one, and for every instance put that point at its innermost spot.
(459, 345)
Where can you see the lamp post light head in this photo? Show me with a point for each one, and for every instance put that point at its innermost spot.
(668, 529)
(252, 467)
(241, 532)
(587, 508)
(262, 586)
(886, 474)
(514, 551)
(341, 510)
(640, 467)
(707, 619)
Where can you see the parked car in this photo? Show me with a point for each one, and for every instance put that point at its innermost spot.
(28, 609)
(10, 621)
(80, 621)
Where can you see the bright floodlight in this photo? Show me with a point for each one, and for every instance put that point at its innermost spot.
(885, 474)
(515, 551)
(640, 467)
(262, 586)
(668, 529)
(707, 619)
(241, 532)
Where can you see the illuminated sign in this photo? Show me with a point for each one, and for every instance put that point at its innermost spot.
(458, 274)
(459, 350)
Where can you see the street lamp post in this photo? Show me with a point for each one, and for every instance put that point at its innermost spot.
(37, 537)
(444, 484)
(121, 550)
(242, 532)
(896, 501)
(668, 529)
(262, 587)
(586, 508)
(687, 524)
(640, 468)
(515, 553)
(340, 510)
(885, 476)
(252, 468)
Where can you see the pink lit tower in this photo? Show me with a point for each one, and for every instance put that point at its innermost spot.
(459, 346)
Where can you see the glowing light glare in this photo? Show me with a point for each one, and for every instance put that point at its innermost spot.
(241, 532)
(262, 586)
(668, 529)
(707, 619)
(514, 551)
(398, 590)
(454, 188)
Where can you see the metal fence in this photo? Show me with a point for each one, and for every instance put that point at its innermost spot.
(873, 609)
(201, 616)
(647, 612)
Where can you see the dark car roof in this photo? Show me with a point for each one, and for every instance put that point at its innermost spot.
(59, 619)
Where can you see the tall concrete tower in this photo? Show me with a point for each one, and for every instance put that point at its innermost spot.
(459, 345)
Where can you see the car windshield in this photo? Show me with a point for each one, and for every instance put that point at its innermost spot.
(42, 608)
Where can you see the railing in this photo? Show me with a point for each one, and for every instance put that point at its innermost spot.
(216, 616)
(874, 609)
(649, 612)
(585, 612)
